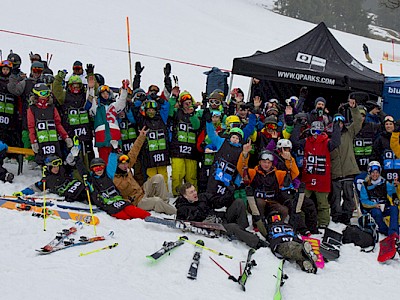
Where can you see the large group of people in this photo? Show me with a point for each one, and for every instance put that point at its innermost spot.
(228, 157)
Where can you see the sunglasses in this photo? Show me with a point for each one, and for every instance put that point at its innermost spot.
(388, 118)
(98, 168)
(42, 94)
(215, 102)
(267, 156)
(123, 159)
(271, 126)
(37, 70)
(105, 88)
(150, 104)
(57, 162)
(186, 97)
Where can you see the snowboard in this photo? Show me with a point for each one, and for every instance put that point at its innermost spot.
(167, 247)
(185, 226)
(280, 280)
(387, 248)
(39, 212)
(315, 243)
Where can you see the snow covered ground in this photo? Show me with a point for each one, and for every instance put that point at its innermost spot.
(203, 32)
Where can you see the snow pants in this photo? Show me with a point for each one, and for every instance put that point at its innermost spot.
(183, 169)
(393, 213)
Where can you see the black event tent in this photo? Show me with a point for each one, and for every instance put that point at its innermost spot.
(315, 59)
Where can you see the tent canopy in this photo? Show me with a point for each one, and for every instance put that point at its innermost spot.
(314, 59)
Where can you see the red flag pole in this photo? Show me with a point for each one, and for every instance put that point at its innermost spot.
(393, 48)
(129, 48)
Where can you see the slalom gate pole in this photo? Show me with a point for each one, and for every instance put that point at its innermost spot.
(90, 203)
(98, 250)
(206, 248)
(128, 32)
(44, 169)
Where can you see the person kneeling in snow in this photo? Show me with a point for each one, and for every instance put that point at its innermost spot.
(195, 207)
(106, 196)
(284, 243)
(153, 195)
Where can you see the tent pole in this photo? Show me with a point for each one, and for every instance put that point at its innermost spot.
(230, 85)
(249, 89)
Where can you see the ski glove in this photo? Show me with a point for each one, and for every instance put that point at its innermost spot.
(89, 69)
(69, 142)
(138, 68)
(167, 70)
(35, 147)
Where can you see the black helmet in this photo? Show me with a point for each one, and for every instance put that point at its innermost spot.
(99, 78)
(53, 160)
(274, 216)
(15, 59)
(97, 161)
(41, 90)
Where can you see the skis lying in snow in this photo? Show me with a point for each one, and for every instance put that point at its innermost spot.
(194, 266)
(249, 264)
(166, 248)
(207, 229)
(60, 237)
(68, 242)
(280, 280)
(38, 211)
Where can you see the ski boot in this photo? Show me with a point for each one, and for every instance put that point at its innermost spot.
(309, 258)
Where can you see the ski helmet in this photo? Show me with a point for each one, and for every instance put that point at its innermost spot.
(47, 78)
(217, 95)
(374, 166)
(99, 78)
(73, 81)
(238, 132)
(184, 96)
(284, 143)
(232, 120)
(41, 90)
(317, 127)
(274, 216)
(15, 59)
(266, 155)
(53, 160)
(139, 94)
(97, 161)
(6, 64)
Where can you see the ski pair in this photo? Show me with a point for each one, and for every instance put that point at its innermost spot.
(60, 237)
(280, 280)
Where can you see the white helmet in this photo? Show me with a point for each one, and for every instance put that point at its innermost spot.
(374, 166)
(284, 143)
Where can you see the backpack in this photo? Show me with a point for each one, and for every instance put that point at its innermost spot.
(364, 235)
(217, 79)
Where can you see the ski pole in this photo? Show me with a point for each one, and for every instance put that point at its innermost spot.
(129, 48)
(206, 248)
(90, 203)
(100, 249)
(44, 169)
(230, 276)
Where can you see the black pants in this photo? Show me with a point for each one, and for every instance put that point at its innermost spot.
(343, 211)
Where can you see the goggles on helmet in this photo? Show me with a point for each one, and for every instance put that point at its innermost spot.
(150, 104)
(215, 102)
(315, 131)
(139, 95)
(339, 119)
(77, 68)
(105, 88)
(98, 168)
(37, 70)
(235, 125)
(271, 126)
(6, 63)
(275, 218)
(267, 156)
(56, 162)
(186, 97)
(42, 94)
(388, 119)
(374, 168)
(216, 113)
(123, 159)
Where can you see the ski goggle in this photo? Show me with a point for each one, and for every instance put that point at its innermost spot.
(275, 218)
(98, 168)
(216, 113)
(139, 95)
(37, 70)
(339, 119)
(105, 88)
(374, 168)
(271, 126)
(235, 125)
(77, 68)
(6, 63)
(267, 156)
(150, 104)
(215, 102)
(55, 163)
(388, 119)
(186, 97)
(315, 131)
(273, 101)
(42, 94)
(123, 159)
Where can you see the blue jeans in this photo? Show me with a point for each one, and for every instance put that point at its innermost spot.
(378, 215)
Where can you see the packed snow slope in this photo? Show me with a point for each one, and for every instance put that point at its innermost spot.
(209, 33)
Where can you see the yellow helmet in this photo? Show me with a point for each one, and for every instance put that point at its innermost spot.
(231, 119)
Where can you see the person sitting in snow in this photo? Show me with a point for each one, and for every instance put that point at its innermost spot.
(153, 195)
(285, 244)
(195, 207)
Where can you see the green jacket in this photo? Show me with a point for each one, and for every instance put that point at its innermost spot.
(343, 161)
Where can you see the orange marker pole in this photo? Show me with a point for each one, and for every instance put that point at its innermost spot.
(129, 48)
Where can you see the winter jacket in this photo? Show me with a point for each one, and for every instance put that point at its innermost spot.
(196, 211)
(124, 181)
(395, 143)
(379, 192)
(343, 161)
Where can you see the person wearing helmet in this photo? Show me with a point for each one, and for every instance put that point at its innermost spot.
(211, 104)
(44, 124)
(344, 167)
(105, 194)
(185, 128)
(75, 117)
(105, 111)
(317, 164)
(153, 194)
(266, 180)
(59, 178)
(378, 197)
(286, 244)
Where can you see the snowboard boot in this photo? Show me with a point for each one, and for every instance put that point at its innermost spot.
(307, 263)
(291, 250)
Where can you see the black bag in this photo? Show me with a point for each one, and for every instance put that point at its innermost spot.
(364, 235)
